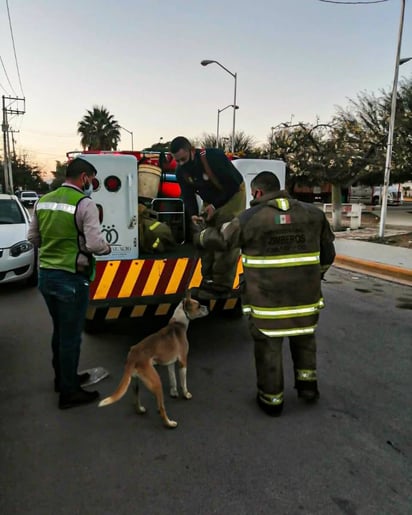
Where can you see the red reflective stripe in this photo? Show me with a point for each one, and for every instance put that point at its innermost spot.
(100, 266)
(141, 281)
(165, 277)
(118, 280)
(190, 269)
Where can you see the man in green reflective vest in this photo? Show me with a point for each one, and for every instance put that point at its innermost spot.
(66, 229)
(287, 246)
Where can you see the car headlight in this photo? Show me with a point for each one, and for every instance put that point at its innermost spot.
(20, 248)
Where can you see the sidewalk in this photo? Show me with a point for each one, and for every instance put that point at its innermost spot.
(379, 260)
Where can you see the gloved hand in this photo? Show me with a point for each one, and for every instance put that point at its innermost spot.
(198, 223)
(208, 212)
(210, 239)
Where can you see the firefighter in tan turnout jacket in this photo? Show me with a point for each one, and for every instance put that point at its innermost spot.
(287, 246)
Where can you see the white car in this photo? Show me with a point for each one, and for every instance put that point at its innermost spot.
(28, 198)
(18, 257)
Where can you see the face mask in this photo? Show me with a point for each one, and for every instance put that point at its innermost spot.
(88, 189)
(190, 165)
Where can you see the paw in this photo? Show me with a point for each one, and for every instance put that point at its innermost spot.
(171, 423)
(187, 395)
(141, 410)
(174, 393)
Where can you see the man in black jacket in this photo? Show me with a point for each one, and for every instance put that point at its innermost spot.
(209, 174)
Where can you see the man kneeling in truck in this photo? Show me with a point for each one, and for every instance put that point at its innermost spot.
(211, 175)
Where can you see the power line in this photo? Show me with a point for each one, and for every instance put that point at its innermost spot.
(7, 77)
(353, 3)
(3, 88)
(14, 48)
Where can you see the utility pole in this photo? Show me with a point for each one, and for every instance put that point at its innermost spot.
(10, 105)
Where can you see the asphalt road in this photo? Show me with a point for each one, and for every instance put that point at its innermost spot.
(350, 454)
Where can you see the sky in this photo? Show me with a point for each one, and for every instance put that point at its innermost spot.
(295, 60)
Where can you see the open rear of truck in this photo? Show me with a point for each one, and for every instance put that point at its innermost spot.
(130, 283)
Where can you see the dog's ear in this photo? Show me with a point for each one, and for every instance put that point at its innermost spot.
(188, 295)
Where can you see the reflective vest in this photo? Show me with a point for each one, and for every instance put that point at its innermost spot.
(58, 230)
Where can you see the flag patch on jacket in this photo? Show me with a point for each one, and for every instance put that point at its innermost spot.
(282, 219)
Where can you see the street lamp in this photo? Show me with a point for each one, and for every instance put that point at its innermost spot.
(218, 115)
(130, 132)
(205, 62)
(398, 62)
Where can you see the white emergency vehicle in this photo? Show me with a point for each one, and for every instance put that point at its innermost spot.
(129, 283)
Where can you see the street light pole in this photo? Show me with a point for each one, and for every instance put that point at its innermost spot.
(205, 62)
(398, 61)
(218, 115)
(130, 132)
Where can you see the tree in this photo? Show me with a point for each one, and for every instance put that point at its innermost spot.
(368, 119)
(160, 146)
(402, 147)
(244, 144)
(59, 175)
(27, 176)
(99, 130)
(209, 141)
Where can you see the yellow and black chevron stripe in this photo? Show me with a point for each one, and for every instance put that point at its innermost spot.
(134, 288)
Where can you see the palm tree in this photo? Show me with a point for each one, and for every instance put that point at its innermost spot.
(99, 130)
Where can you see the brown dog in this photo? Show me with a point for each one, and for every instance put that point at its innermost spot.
(164, 347)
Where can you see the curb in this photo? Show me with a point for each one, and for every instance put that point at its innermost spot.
(383, 271)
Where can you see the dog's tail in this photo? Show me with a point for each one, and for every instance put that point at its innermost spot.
(121, 389)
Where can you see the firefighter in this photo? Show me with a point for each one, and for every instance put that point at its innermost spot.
(287, 246)
(211, 175)
(154, 236)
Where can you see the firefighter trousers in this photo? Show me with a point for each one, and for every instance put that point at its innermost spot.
(269, 361)
(220, 267)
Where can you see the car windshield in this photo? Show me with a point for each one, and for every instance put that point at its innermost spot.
(10, 212)
(29, 194)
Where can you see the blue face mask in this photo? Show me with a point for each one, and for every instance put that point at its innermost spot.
(88, 189)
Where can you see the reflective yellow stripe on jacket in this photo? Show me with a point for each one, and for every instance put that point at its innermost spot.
(276, 333)
(283, 312)
(308, 258)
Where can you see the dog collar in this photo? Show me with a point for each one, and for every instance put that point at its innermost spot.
(186, 314)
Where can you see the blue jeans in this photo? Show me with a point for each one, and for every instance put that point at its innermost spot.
(67, 297)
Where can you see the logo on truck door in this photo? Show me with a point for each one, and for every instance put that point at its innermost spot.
(111, 234)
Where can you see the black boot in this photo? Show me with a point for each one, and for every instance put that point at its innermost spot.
(71, 400)
(273, 410)
(308, 390)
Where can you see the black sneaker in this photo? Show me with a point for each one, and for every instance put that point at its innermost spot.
(71, 400)
(83, 378)
(274, 410)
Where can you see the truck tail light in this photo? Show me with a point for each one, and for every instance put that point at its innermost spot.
(112, 183)
(95, 184)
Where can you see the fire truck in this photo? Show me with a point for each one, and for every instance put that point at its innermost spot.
(130, 283)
